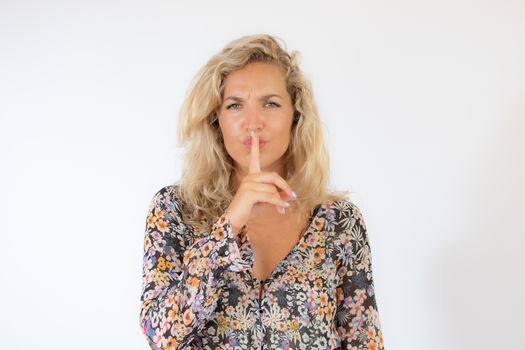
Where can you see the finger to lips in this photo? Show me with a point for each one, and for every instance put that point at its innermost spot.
(255, 165)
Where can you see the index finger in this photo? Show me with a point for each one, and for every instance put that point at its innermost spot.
(255, 165)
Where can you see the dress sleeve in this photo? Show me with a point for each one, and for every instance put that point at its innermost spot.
(180, 284)
(357, 317)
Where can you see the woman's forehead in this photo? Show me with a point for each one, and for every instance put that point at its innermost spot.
(258, 78)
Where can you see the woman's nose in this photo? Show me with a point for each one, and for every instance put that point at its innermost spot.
(254, 118)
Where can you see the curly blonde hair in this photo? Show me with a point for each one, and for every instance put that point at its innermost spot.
(206, 185)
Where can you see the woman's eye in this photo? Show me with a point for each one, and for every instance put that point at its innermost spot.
(237, 106)
(232, 105)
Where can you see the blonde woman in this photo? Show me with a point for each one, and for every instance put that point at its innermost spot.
(250, 249)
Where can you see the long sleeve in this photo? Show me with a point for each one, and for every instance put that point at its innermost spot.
(179, 283)
(357, 317)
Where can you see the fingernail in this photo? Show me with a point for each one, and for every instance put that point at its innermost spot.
(286, 204)
(252, 133)
(281, 210)
(294, 195)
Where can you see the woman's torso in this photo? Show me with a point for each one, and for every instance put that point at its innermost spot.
(293, 306)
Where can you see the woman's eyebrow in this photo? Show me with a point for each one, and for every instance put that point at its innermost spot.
(239, 99)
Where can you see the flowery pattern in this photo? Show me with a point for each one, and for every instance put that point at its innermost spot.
(198, 291)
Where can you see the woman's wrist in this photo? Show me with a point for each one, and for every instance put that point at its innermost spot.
(235, 229)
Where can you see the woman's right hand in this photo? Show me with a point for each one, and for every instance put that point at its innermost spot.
(257, 187)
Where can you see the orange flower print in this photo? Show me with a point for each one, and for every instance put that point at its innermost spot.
(151, 221)
(318, 223)
(172, 344)
(318, 283)
(323, 299)
(147, 243)
(194, 282)
(330, 311)
(379, 339)
(188, 317)
(219, 233)
(339, 295)
(206, 249)
(318, 254)
(173, 314)
(159, 213)
(371, 333)
(301, 278)
(234, 324)
(162, 226)
(221, 321)
(372, 345)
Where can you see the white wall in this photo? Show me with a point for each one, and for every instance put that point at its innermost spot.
(424, 109)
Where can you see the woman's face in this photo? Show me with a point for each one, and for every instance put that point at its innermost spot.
(255, 98)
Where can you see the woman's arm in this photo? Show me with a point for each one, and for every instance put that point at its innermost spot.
(357, 317)
(180, 284)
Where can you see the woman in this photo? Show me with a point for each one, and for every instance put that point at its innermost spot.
(250, 249)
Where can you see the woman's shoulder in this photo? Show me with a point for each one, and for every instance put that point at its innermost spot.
(169, 188)
(344, 206)
(344, 214)
(166, 207)
(346, 229)
(166, 198)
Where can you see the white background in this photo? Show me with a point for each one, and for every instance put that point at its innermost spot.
(424, 114)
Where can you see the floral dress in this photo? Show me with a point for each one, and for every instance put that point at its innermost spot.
(198, 292)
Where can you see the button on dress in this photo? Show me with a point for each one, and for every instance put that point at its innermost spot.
(198, 291)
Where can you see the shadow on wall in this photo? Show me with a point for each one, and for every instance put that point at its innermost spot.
(480, 279)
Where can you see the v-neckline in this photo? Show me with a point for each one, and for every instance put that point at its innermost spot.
(314, 213)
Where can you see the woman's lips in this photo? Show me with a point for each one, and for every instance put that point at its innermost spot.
(248, 143)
